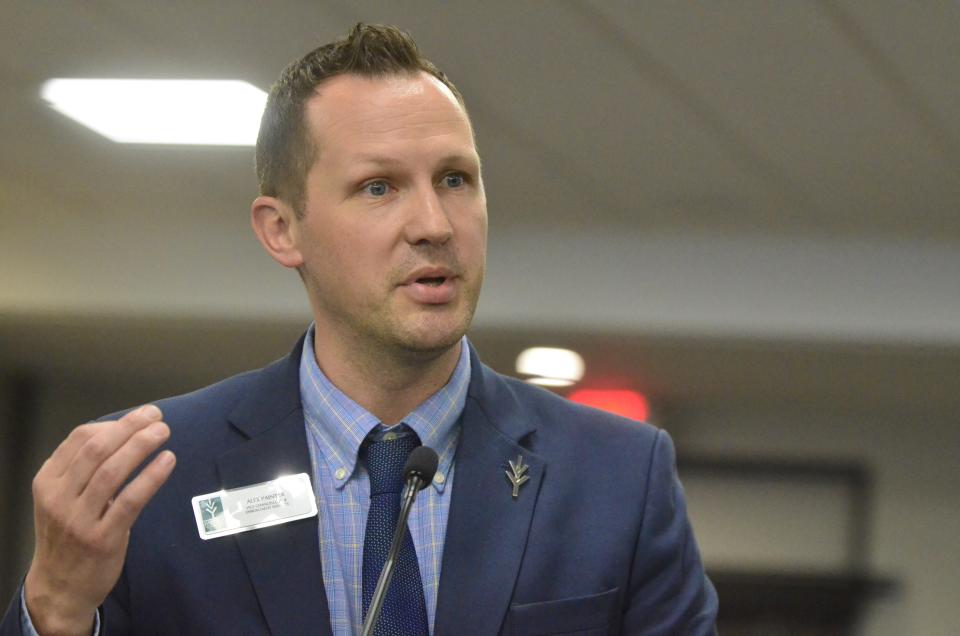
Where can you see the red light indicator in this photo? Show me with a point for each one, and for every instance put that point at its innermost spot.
(620, 401)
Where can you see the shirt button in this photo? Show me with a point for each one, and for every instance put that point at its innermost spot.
(389, 437)
(340, 474)
(438, 478)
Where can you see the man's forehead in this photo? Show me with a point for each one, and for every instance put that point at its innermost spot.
(355, 95)
(360, 110)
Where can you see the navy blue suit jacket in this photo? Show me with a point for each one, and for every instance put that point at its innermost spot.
(598, 541)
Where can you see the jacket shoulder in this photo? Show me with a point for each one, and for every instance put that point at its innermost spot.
(223, 392)
(201, 413)
(558, 417)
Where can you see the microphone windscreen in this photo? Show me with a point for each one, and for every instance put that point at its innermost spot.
(422, 463)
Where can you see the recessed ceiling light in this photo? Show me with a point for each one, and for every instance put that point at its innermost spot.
(140, 111)
(554, 382)
(550, 366)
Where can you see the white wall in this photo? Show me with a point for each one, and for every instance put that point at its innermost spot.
(689, 284)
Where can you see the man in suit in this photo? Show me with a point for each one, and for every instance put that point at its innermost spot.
(544, 517)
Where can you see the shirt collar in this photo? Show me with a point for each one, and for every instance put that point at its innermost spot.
(337, 425)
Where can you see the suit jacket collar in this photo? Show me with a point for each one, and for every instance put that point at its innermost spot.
(283, 561)
(487, 530)
(277, 395)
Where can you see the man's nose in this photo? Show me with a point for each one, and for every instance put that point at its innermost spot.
(428, 222)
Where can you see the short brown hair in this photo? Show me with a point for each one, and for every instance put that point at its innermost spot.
(285, 151)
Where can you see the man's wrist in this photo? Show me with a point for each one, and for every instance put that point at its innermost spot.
(52, 615)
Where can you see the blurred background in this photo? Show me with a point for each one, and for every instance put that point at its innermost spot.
(746, 212)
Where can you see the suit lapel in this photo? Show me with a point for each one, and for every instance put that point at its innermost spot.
(487, 530)
(283, 561)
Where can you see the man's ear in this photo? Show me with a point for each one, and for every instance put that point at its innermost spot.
(275, 224)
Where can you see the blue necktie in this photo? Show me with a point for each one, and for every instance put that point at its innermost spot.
(404, 611)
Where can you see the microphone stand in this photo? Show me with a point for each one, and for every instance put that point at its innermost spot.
(413, 486)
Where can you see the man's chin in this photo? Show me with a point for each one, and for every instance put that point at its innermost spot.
(432, 325)
(431, 345)
(429, 339)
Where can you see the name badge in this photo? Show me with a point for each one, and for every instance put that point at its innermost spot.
(270, 503)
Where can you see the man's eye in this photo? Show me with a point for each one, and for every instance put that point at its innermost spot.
(453, 180)
(377, 188)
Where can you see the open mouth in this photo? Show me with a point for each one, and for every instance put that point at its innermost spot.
(436, 286)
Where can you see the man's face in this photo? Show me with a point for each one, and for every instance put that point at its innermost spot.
(393, 235)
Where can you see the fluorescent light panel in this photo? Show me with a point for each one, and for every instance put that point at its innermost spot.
(141, 111)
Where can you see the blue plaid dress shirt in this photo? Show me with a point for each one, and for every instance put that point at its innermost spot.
(336, 426)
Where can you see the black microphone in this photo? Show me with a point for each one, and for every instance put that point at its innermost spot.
(418, 472)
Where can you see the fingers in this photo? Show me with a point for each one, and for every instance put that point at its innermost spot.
(59, 461)
(110, 475)
(63, 456)
(92, 444)
(81, 541)
(131, 500)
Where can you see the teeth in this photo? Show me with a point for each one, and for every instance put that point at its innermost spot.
(432, 282)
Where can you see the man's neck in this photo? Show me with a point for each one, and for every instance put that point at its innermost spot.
(387, 385)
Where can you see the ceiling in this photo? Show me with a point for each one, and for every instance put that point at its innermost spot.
(802, 116)
(759, 127)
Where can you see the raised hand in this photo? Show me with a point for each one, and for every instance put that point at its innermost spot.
(82, 516)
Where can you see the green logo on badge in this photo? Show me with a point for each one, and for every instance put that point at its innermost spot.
(211, 511)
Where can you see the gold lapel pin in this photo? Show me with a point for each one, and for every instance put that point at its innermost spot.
(517, 475)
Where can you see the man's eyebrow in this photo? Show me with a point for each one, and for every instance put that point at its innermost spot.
(379, 160)
(383, 160)
(472, 159)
